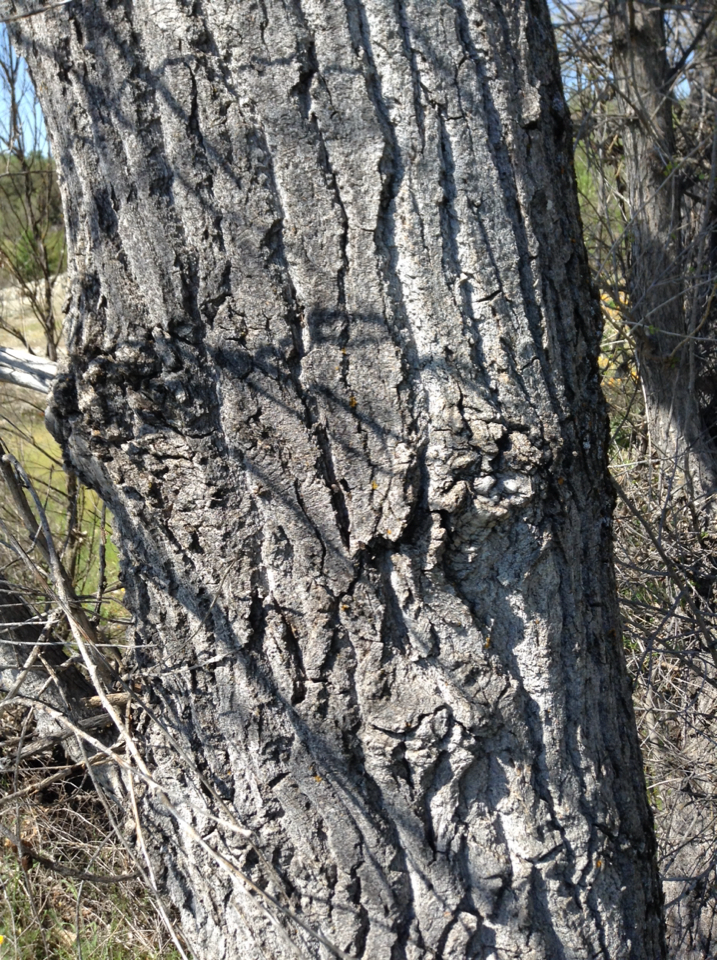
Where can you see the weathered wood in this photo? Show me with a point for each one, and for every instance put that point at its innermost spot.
(22, 632)
(333, 368)
(24, 369)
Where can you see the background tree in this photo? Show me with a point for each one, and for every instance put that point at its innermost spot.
(32, 246)
(640, 79)
(641, 87)
(333, 368)
(666, 304)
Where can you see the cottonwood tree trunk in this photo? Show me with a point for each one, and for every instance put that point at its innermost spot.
(333, 368)
(662, 327)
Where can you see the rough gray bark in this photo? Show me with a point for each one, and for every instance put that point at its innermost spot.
(333, 368)
(665, 352)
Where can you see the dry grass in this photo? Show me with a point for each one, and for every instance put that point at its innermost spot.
(44, 914)
(18, 326)
(666, 565)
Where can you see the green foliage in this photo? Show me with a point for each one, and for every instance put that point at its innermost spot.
(32, 242)
(80, 526)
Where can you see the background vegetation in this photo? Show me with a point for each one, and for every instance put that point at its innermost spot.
(642, 86)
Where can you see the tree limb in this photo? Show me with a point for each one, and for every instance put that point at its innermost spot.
(26, 370)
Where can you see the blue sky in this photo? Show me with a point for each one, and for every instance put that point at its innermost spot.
(32, 124)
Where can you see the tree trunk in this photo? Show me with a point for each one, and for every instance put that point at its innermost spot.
(663, 332)
(333, 368)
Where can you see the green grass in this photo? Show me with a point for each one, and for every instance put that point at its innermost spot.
(108, 924)
(23, 432)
